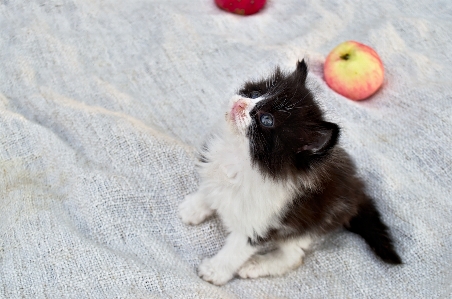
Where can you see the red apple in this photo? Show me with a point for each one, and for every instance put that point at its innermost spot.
(353, 70)
(241, 7)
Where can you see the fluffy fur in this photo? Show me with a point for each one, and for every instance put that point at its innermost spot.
(274, 174)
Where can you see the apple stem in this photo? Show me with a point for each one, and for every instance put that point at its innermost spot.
(345, 56)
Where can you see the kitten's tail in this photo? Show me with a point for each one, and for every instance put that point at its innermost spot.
(368, 224)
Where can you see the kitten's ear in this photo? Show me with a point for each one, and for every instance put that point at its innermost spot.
(323, 137)
(301, 71)
(320, 139)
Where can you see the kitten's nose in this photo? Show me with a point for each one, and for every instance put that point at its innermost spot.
(239, 107)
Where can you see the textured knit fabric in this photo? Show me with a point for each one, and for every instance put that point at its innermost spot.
(102, 104)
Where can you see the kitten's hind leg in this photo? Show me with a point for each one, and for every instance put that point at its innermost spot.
(194, 209)
(288, 256)
(220, 268)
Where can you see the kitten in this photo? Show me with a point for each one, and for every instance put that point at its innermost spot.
(275, 174)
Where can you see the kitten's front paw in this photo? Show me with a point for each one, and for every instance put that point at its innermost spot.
(193, 210)
(214, 272)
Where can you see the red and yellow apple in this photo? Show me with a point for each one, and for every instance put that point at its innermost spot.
(241, 7)
(353, 70)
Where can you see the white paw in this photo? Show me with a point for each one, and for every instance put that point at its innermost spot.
(270, 264)
(214, 272)
(253, 268)
(193, 210)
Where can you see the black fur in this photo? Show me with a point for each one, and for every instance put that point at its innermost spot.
(302, 146)
(368, 225)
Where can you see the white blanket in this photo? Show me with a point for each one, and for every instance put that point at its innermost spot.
(102, 104)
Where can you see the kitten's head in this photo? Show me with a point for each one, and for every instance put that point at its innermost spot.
(285, 128)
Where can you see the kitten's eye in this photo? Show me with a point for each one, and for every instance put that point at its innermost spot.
(266, 120)
(255, 94)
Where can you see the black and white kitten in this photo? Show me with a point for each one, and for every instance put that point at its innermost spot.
(275, 174)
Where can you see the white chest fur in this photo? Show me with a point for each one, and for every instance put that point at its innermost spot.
(245, 201)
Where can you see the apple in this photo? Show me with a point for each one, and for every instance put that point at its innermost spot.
(241, 7)
(353, 70)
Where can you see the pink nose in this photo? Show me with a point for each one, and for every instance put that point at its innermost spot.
(238, 109)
